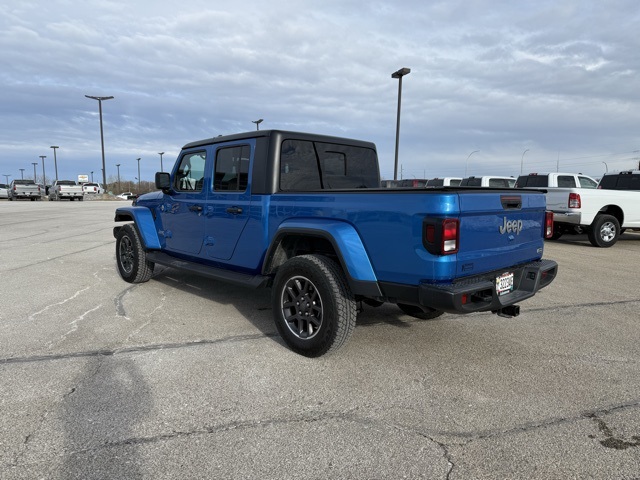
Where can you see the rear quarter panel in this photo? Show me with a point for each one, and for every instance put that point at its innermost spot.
(390, 224)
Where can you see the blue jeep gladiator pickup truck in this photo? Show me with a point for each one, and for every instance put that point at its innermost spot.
(305, 215)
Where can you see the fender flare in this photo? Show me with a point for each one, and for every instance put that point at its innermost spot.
(346, 242)
(144, 222)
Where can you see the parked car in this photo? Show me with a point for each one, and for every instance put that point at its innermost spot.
(127, 196)
(629, 180)
(488, 181)
(4, 190)
(92, 188)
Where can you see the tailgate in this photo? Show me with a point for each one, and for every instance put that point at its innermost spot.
(499, 230)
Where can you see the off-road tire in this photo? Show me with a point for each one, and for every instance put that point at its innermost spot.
(604, 231)
(313, 307)
(422, 313)
(131, 257)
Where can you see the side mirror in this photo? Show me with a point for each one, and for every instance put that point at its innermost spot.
(163, 181)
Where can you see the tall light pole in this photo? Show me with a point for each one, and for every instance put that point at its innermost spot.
(100, 99)
(257, 122)
(55, 160)
(6, 178)
(44, 176)
(138, 176)
(606, 167)
(522, 160)
(21, 173)
(35, 164)
(467, 164)
(161, 153)
(119, 189)
(399, 74)
(92, 176)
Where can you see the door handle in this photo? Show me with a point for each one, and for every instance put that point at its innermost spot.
(195, 208)
(234, 210)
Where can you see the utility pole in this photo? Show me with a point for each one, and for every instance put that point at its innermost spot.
(44, 176)
(55, 160)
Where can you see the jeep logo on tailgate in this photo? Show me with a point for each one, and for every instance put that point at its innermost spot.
(511, 226)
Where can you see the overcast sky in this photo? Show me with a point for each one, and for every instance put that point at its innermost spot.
(557, 79)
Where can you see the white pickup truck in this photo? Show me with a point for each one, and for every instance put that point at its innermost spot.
(66, 189)
(578, 207)
(23, 188)
(602, 214)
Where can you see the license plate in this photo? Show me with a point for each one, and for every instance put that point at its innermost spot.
(504, 283)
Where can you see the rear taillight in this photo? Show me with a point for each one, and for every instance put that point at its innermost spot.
(548, 224)
(441, 236)
(574, 200)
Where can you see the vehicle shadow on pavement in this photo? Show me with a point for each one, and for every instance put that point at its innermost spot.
(255, 304)
(99, 417)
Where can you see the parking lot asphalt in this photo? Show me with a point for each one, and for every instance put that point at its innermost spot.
(186, 377)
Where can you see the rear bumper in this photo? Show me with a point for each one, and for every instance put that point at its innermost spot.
(573, 218)
(478, 293)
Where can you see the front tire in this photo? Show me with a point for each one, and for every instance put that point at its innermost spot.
(313, 307)
(131, 256)
(604, 232)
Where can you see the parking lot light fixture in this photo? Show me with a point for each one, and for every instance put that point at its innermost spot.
(100, 99)
(398, 74)
(522, 160)
(44, 176)
(6, 178)
(258, 122)
(467, 164)
(21, 173)
(35, 164)
(55, 159)
(161, 153)
(118, 166)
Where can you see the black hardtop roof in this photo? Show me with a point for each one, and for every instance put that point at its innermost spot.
(279, 135)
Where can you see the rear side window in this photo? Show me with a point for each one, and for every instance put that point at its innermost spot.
(628, 182)
(608, 182)
(435, 182)
(499, 182)
(566, 181)
(232, 168)
(308, 165)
